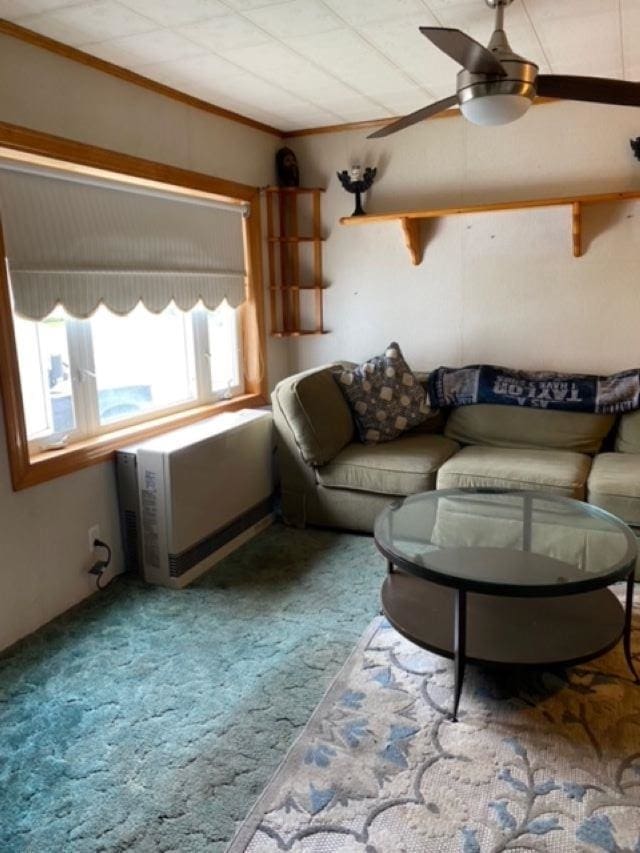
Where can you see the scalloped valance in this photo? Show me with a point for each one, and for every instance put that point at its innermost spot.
(80, 245)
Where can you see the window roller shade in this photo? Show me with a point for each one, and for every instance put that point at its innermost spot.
(81, 245)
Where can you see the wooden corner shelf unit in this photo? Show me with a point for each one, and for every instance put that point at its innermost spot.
(410, 219)
(295, 261)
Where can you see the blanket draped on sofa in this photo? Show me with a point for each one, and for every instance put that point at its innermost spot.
(572, 392)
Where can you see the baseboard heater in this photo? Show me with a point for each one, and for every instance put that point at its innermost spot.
(191, 496)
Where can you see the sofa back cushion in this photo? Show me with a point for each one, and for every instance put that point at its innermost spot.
(628, 435)
(317, 413)
(513, 426)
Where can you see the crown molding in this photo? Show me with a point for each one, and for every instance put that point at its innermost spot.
(373, 124)
(76, 55)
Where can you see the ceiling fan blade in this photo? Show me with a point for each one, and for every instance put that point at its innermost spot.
(599, 90)
(414, 118)
(466, 51)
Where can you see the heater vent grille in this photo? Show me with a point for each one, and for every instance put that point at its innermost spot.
(181, 563)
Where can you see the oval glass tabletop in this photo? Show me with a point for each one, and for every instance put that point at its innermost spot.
(506, 542)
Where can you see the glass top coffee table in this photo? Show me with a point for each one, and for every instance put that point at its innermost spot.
(506, 577)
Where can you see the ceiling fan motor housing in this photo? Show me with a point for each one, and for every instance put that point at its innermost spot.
(519, 80)
(504, 98)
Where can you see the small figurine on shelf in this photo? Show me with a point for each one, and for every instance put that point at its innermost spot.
(355, 182)
(287, 168)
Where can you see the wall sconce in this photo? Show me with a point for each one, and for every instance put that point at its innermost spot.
(635, 147)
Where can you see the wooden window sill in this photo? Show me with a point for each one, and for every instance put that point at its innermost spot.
(48, 465)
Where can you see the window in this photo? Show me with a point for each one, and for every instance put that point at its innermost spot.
(130, 301)
(81, 378)
(43, 351)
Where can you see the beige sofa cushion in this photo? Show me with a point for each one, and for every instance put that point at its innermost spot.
(628, 435)
(559, 471)
(513, 426)
(404, 466)
(614, 485)
(316, 412)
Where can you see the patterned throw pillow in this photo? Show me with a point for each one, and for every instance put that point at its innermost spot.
(384, 395)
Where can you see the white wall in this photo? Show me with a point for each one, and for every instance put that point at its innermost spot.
(501, 288)
(43, 530)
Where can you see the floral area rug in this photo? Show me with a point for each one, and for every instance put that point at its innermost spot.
(546, 761)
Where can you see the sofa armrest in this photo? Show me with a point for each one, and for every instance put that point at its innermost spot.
(312, 408)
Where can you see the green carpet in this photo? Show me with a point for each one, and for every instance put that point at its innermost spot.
(150, 720)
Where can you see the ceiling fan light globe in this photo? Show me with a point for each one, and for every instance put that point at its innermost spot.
(491, 110)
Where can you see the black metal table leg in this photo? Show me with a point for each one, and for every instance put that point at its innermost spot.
(628, 615)
(459, 648)
(390, 570)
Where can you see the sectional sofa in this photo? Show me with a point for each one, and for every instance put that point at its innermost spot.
(329, 478)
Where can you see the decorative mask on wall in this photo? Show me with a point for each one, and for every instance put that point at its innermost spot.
(287, 168)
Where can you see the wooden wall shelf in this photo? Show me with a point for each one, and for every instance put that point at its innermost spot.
(295, 239)
(410, 219)
(293, 190)
(293, 274)
(300, 334)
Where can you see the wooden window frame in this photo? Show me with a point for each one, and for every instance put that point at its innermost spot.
(27, 146)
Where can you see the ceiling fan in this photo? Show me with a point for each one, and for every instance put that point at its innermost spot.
(496, 86)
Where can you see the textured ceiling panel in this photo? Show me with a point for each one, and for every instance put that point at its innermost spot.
(302, 63)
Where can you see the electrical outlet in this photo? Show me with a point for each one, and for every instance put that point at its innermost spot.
(94, 533)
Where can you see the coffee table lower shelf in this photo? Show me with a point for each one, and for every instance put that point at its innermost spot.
(503, 630)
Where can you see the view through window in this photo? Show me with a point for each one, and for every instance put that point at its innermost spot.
(83, 377)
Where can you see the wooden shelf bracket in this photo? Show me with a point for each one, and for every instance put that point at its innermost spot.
(411, 231)
(576, 228)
